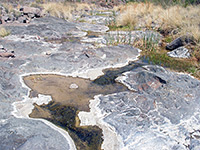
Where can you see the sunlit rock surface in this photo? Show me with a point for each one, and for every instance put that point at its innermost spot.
(159, 112)
(39, 48)
(180, 52)
(162, 113)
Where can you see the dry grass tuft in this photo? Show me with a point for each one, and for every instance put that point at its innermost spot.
(58, 10)
(83, 6)
(134, 13)
(8, 7)
(184, 20)
(4, 32)
(64, 10)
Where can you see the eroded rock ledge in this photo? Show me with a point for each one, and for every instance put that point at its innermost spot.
(163, 112)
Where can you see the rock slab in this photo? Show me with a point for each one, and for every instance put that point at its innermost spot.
(180, 52)
(162, 113)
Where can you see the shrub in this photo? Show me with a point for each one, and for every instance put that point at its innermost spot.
(64, 10)
(4, 32)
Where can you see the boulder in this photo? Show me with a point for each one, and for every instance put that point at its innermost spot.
(180, 52)
(181, 41)
(31, 15)
(73, 86)
(11, 17)
(5, 18)
(22, 19)
(7, 55)
(1, 47)
(31, 10)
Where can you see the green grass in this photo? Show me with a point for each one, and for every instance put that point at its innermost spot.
(168, 39)
(180, 65)
(101, 14)
(81, 20)
(120, 28)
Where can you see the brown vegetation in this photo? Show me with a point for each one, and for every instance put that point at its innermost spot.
(4, 32)
(170, 20)
(65, 10)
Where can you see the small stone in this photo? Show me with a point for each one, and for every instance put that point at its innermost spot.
(180, 52)
(21, 9)
(7, 55)
(22, 19)
(73, 86)
(104, 56)
(5, 18)
(181, 41)
(48, 53)
(1, 47)
(31, 16)
(31, 10)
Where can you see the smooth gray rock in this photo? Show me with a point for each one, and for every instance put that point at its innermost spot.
(25, 134)
(195, 144)
(24, 47)
(163, 112)
(31, 48)
(70, 46)
(180, 52)
(95, 19)
(31, 10)
(22, 134)
(92, 27)
(1, 47)
(50, 27)
(22, 19)
(74, 60)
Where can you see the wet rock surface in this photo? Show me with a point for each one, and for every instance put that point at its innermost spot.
(62, 91)
(160, 110)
